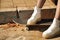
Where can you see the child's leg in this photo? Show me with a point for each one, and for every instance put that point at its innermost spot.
(36, 16)
(54, 29)
(54, 1)
(40, 3)
(57, 16)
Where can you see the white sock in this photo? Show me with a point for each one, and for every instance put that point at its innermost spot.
(36, 16)
(53, 30)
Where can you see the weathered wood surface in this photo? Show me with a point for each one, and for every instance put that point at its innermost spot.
(8, 10)
(15, 32)
(24, 15)
(9, 4)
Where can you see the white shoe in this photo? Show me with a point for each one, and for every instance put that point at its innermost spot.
(53, 30)
(36, 16)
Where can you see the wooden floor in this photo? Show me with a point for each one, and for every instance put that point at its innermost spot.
(14, 32)
(23, 4)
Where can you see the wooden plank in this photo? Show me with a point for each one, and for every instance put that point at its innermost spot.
(19, 3)
(49, 4)
(6, 4)
(6, 0)
(6, 17)
(46, 14)
(30, 3)
(42, 23)
(7, 9)
(23, 3)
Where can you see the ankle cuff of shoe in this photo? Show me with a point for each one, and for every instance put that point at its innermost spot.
(36, 9)
(56, 20)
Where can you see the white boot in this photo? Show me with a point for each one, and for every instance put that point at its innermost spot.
(53, 30)
(36, 16)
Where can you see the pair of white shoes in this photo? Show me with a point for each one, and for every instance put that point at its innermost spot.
(51, 31)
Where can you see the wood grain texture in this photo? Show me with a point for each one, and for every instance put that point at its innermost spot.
(26, 8)
(6, 4)
(15, 32)
(24, 3)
